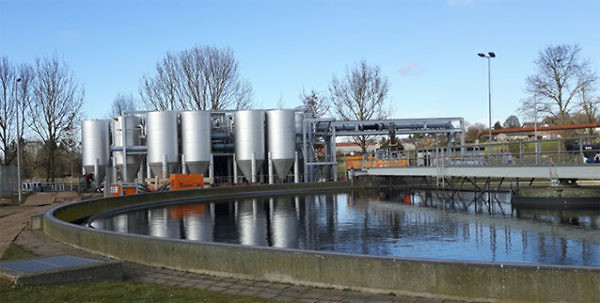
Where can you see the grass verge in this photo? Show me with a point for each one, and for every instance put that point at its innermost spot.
(108, 291)
(15, 252)
(116, 291)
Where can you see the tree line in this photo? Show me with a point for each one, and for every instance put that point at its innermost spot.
(42, 101)
(47, 99)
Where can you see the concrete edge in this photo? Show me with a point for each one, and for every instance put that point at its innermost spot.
(429, 278)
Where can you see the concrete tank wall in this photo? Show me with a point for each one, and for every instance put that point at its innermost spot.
(429, 278)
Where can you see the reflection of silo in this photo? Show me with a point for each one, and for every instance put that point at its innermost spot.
(161, 133)
(199, 227)
(282, 139)
(284, 223)
(195, 140)
(120, 223)
(132, 138)
(252, 223)
(161, 226)
(249, 140)
(95, 147)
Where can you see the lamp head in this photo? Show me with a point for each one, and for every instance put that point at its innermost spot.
(482, 55)
(492, 54)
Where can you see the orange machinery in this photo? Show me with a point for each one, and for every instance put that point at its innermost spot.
(186, 181)
(115, 190)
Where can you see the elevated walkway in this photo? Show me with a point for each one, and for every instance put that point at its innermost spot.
(590, 171)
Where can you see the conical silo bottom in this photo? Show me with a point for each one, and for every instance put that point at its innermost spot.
(282, 166)
(246, 168)
(157, 169)
(196, 167)
(132, 170)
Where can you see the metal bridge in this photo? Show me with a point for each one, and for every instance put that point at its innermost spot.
(542, 159)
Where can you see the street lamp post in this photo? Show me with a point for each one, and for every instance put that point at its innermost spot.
(488, 56)
(18, 143)
(535, 128)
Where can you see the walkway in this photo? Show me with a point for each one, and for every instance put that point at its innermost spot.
(14, 218)
(591, 171)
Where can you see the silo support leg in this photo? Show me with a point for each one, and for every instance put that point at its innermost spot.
(270, 163)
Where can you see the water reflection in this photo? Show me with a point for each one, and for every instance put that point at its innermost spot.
(416, 224)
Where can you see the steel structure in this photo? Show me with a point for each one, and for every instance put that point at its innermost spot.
(324, 132)
(164, 141)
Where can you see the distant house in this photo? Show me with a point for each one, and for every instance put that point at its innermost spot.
(541, 134)
(352, 148)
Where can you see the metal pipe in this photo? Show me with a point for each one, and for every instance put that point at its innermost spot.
(211, 170)
(296, 172)
(270, 165)
(253, 168)
(235, 176)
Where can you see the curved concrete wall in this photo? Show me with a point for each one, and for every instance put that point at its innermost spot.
(461, 280)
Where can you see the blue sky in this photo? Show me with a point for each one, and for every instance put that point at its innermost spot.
(427, 49)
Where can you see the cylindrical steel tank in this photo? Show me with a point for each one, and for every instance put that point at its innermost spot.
(299, 118)
(161, 138)
(195, 140)
(131, 125)
(249, 139)
(281, 134)
(95, 147)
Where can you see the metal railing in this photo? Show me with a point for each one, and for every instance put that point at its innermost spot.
(560, 151)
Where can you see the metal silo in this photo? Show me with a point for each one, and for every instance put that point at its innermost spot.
(161, 138)
(195, 140)
(249, 140)
(131, 125)
(95, 147)
(299, 117)
(281, 134)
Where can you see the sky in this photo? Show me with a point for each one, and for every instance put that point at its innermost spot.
(426, 48)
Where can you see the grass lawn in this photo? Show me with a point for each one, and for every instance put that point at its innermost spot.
(14, 252)
(116, 291)
(108, 291)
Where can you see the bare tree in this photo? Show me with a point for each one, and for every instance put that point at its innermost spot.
(511, 122)
(161, 91)
(473, 130)
(589, 103)
(8, 82)
(561, 74)
(123, 103)
(314, 103)
(200, 78)
(56, 104)
(360, 95)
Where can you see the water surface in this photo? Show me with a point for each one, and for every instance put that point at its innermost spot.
(421, 224)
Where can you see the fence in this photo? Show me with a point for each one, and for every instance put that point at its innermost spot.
(8, 180)
(568, 151)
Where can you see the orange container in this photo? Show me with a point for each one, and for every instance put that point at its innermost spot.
(115, 190)
(189, 181)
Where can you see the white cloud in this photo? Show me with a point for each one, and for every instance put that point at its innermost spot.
(411, 69)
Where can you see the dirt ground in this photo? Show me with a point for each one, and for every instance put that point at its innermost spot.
(14, 218)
